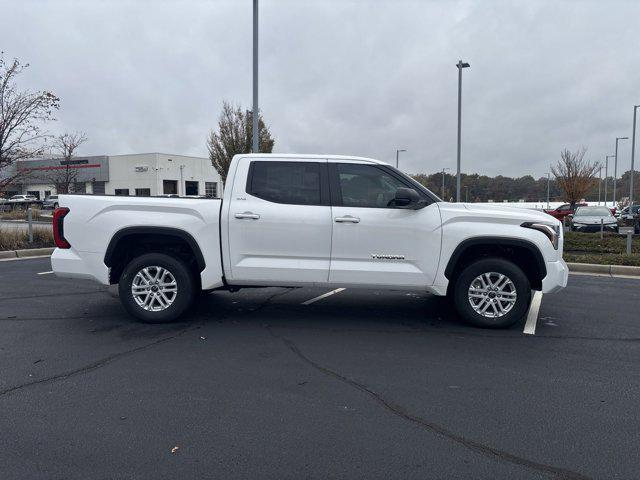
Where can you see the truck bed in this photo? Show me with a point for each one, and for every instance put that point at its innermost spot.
(94, 220)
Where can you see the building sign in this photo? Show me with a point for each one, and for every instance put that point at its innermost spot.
(86, 169)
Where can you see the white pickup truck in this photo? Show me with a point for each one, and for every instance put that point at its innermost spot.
(310, 220)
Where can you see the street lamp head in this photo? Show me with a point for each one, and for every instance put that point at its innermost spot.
(462, 64)
(622, 138)
(401, 150)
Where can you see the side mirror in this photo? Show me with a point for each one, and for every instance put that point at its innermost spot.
(406, 197)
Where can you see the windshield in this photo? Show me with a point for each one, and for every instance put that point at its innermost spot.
(593, 212)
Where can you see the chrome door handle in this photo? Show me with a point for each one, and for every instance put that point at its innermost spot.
(251, 215)
(347, 219)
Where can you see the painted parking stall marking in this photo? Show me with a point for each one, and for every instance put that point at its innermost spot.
(532, 315)
(324, 295)
(45, 273)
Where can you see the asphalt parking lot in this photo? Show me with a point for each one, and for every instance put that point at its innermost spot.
(359, 384)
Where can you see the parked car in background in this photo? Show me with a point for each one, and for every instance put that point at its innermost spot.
(23, 199)
(50, 202)
(592, 219)
(21, 202)
(563, 210)
(624, 213)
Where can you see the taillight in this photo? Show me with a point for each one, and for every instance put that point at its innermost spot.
(58, 227)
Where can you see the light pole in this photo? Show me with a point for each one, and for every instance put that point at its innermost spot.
(460, 66)
(256, 112)
(615, 170)
(633, 154)
(606, 178)
(548, 187)
(599, 184)
(443, 170)
(398, 156)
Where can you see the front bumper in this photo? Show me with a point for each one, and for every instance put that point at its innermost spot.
(611, 227)
(557, 276)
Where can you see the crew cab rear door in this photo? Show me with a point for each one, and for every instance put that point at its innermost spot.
(374, 242)
(279, 221)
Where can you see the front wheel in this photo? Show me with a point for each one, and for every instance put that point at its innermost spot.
(156, 288)
(492, 293)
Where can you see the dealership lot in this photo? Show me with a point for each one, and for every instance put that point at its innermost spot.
(264, 383)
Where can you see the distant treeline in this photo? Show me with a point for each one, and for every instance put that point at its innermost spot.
(482, 188)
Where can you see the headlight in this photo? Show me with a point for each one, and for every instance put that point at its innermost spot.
(551, 231)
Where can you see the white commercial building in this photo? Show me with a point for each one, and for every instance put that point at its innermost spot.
(143, 174)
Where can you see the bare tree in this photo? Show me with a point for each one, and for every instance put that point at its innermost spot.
(234, 136)
(575, 176)
(63, 178)
(66, 144)
(22, 113)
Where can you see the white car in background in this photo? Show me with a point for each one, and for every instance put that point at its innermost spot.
(23, 199)
(593, 219)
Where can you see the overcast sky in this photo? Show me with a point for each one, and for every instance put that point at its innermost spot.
(342, 77)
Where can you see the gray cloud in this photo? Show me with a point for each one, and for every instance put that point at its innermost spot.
(355, 77)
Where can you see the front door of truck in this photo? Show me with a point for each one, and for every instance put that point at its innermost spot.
(374, 242)
(280, 221)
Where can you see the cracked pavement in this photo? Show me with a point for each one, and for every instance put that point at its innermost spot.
(361, 384)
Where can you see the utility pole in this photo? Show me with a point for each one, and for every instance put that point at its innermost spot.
(548, 187)
(443, 170)
(606, 178)
(615, 171)
(633, 154)
(397, 156)
(460, 66)
(599, 185)
(256, 111)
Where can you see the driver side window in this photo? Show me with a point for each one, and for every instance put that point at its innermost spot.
(366, 186)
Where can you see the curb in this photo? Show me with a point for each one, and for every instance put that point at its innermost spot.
(30, 252)
(604, 269)
(34, 252)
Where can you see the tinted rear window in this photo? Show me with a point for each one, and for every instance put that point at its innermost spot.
(295, 183)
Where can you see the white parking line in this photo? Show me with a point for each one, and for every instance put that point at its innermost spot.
(324, 295)
(532, 316)
(45, 273)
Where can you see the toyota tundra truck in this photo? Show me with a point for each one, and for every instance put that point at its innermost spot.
(310, 220)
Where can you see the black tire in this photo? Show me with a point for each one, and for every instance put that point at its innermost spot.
(500, 266)
(184, 295)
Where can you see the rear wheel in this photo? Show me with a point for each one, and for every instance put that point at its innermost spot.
(492, 293)
(156, 288)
